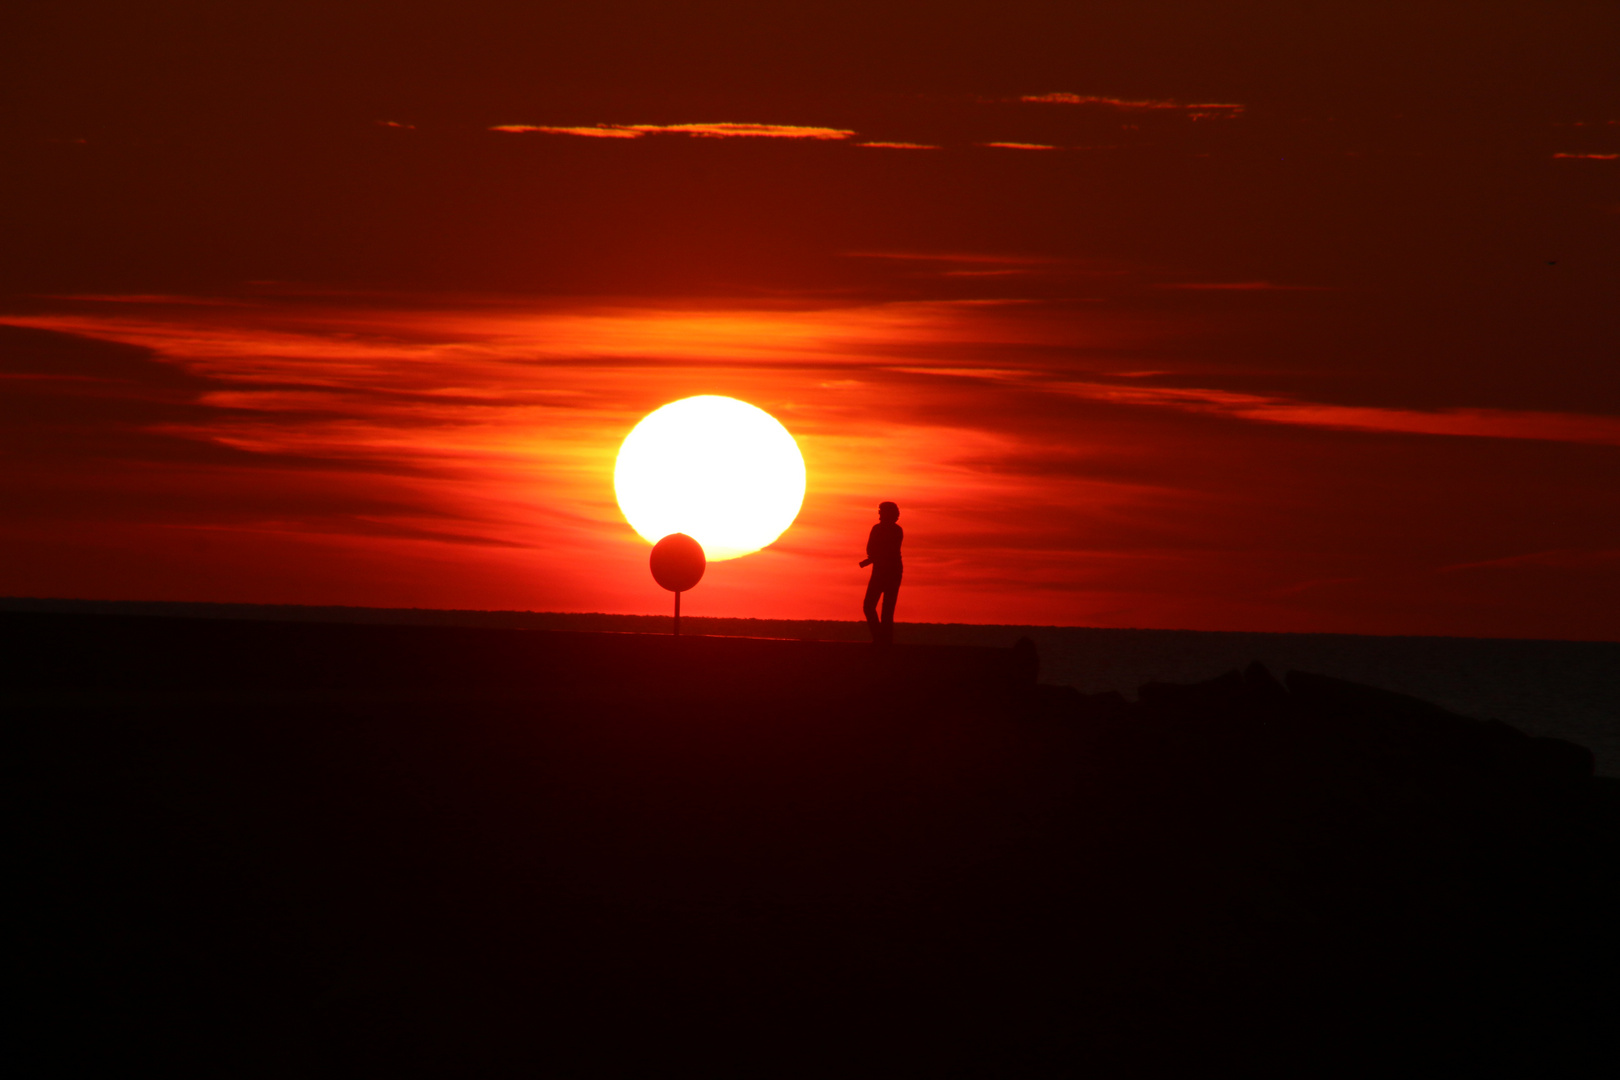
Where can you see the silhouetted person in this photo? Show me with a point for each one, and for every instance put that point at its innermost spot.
(883, 556)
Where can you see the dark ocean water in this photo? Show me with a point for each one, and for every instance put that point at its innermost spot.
(1564, 689)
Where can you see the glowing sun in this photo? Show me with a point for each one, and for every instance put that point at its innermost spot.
(720, 470)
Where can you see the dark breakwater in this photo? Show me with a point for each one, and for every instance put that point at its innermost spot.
(253, 847)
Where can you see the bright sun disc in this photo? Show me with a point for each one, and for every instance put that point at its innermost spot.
(720, 470)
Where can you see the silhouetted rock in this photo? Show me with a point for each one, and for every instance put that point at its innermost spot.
(1236, 694)
(1262, 685)
(1026, 661)
(1371, 707)
(1049, 700)
(1561, 761)
(1109, 706)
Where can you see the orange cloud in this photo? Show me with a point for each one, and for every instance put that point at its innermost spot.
(1588, 157)
(396, 346)
(1199, 109)
(1019, 146)
(600, 131)
(899, 145)
(702, 131)
(747, 131)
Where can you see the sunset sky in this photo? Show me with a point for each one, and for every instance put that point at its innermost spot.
(1252, 316)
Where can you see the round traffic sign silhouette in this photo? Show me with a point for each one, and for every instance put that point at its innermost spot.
(678, 562)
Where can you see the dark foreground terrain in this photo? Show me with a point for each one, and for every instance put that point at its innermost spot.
(1562, 689)
(253, 848)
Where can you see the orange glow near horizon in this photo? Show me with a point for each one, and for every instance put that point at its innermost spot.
(461, 454)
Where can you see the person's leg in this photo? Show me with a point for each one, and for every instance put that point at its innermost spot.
(870, 606)
(891, 592)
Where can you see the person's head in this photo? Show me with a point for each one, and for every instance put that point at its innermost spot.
(889, 512)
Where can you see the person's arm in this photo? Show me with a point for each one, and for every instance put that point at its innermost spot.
(871, 538)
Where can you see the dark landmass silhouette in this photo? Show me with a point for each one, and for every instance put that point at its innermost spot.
(1562, 689)
(250, 847)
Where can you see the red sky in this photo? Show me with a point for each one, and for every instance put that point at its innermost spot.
(1211, 316)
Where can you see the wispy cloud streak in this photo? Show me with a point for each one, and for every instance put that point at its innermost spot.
(702, 131)
(1210, 108)
(1459, 422)
(599, 131)
(1239, 286)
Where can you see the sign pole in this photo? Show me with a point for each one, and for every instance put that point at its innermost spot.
(678, 563)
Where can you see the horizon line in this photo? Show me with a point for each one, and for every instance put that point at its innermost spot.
(44, 605)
